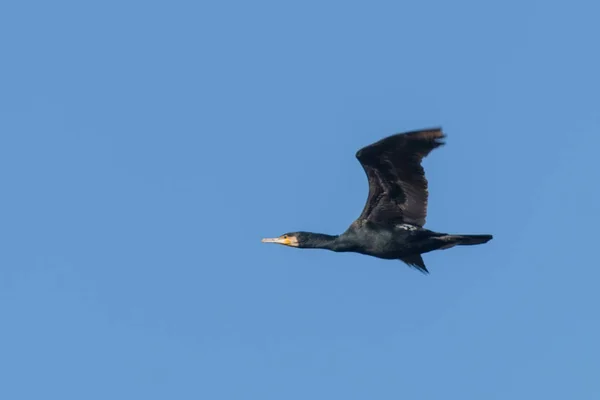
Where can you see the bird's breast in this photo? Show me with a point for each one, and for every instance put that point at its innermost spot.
(381, 242)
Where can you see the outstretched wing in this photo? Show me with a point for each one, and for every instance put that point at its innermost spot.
(397, 184)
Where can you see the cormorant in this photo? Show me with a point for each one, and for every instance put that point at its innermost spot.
(391, 223)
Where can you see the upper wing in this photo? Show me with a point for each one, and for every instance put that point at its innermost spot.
(397, 184)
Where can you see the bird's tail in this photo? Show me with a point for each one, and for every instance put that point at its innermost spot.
(464, 240)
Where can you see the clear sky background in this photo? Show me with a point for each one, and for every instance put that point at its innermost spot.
(146, 148)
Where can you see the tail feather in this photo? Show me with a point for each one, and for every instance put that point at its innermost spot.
(469, 240)
(464, 240)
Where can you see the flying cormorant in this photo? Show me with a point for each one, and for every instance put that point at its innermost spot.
(391, 223)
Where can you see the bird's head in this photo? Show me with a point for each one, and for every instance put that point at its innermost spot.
(304, 240)
(293, 239)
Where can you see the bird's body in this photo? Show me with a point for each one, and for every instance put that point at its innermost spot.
(390, 242)
(391, 223)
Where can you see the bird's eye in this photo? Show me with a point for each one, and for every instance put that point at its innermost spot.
(285, 236)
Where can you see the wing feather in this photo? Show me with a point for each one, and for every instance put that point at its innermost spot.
(398, 191)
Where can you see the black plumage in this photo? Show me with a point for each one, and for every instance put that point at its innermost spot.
(391, 223)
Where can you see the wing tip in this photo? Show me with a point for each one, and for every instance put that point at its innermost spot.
(416, 261)
(434, 135)
(422, 270)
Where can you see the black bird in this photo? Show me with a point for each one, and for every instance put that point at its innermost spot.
(391, 223)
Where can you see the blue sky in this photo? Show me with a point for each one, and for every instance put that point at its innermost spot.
(147, 147)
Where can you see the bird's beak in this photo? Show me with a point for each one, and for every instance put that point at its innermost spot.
(287, 241)
(277, 240)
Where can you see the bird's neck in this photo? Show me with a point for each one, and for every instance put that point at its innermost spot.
(328, 242)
